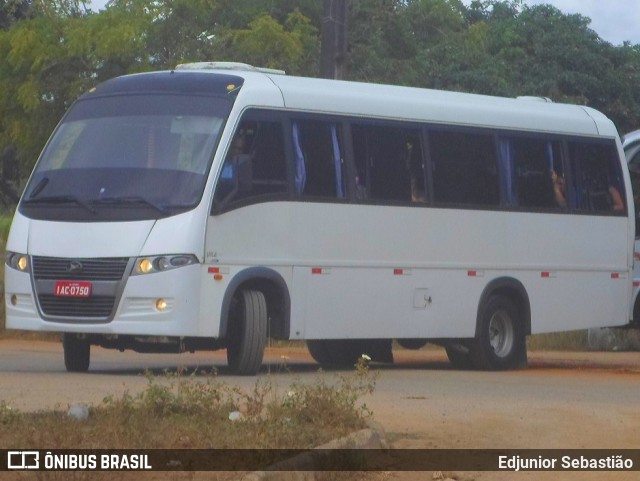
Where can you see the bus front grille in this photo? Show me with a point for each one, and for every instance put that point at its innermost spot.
(108, 269)
(106, 275)
(96, 308)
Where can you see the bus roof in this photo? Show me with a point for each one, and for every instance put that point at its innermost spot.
(262, 88)
(425, 105)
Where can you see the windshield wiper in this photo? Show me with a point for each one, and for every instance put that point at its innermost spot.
(59, 199)
(39, 187)
(129, 200)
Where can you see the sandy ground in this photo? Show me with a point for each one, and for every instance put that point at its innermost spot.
(562, 401)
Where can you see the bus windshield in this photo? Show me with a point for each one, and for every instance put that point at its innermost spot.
(127, 157)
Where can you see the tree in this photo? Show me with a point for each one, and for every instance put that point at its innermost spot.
(12, 11)
(52, 51)
(267, 43)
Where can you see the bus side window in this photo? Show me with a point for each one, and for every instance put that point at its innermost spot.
(537, 170)
(255, 165)
(465, 168)
(597, 178)
(634, 173)
(389, 164)
(319, 163)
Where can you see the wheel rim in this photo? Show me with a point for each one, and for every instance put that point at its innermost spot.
(501, 333)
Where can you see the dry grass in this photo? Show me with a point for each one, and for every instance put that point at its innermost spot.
(559, 341)
(177, 411)
(183, 412)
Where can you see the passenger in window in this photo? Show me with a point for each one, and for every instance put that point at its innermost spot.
(616, 199)
(361, 189)
(241, 160)
(417, 193)
(238, 144)
(559, 189)
(603, 195)
(235, 178)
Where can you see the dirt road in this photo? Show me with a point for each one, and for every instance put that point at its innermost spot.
(564, 400)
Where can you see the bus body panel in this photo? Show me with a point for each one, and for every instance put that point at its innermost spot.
(18, 238)
(415, 237)
(136, 313)
(180, 234)
(347, 286)
(75, 239)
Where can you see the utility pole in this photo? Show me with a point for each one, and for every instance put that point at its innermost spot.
(333, 49)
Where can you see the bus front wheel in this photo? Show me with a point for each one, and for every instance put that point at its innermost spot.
(77, 353)
(247, 334)
(500, 340)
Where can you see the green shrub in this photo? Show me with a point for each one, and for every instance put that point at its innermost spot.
(5, 224)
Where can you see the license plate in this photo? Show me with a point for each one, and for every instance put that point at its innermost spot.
(72, 289)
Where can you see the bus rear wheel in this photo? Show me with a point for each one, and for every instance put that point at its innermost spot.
(500, 340)
(333, 353)
(77, 353)
(412, 344)
(247, 333)
(344, 353)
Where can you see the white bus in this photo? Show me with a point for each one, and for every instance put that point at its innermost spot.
(217, 206)
(631, 145)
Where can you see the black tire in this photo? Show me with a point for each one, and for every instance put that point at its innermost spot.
(459, 358)
(247, 333)
(344, 353)
(334, 353)
(412, 344)
(500, 339)
(321, 351)
(77, 353)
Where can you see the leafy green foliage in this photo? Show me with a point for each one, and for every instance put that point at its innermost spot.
(51, 51)
(269, 44)
(12, 11)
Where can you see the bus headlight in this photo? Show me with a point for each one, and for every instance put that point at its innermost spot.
(19, 262)
(144, 266)
(150, 265)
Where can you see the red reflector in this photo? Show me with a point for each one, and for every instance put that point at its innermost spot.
(316, 270)
(398, 272)
(545, 274)
(615, 275)
(636, 283)
(213, 270)
(472, 273)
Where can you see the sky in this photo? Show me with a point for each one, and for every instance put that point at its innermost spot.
(614, 20)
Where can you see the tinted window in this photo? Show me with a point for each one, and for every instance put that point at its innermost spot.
(127, 157)
(389, 164)
(464, 168)
(255, 165)
(597, 181)
(318, 159)
(534, 172)
(634, 172)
